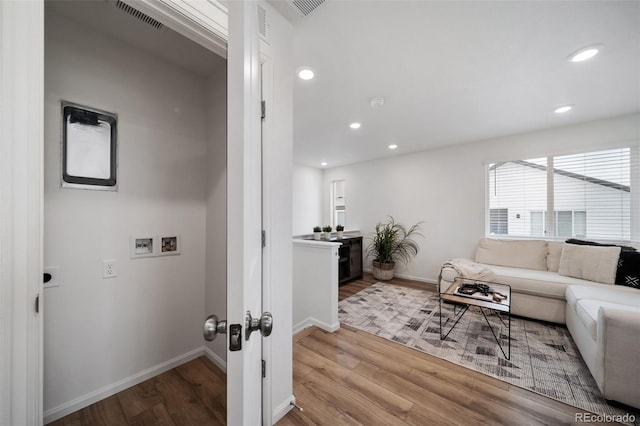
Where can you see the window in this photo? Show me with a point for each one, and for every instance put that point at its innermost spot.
(338, 206)
(590, 195)
(499, 221)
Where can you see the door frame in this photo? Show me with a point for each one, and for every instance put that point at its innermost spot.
(21, 185)
(21, 210)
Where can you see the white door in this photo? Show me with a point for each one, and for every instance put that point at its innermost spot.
(244, 213)
(21, 209)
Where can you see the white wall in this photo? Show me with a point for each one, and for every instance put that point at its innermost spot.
(307, 199)
(216, 289)
(99, 331)
(445, 188)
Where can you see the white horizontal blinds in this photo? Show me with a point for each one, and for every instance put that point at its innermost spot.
(592, 195)
(516, 190)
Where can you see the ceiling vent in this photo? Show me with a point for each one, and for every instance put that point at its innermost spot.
(139, 15)
(306, 6)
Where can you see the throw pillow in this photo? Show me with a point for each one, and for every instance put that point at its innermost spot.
(593, 243)
(629, 269)
(590, 263)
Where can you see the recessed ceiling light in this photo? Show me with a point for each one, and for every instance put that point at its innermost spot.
(563, 109)
(393, 146)
(354, 125)
(585, 53)
(306, 73)
(323, 163)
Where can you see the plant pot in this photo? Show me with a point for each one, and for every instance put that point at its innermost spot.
(383, 271)
(326, 236)
(317, 235)
(339, 234)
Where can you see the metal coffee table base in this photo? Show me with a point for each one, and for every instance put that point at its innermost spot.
(465, 308)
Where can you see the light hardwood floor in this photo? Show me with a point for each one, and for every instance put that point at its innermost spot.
(347, 377)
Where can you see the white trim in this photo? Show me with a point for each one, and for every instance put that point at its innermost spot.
(310, 321)
(205, 22)
(281, 410)
(80, 402)
(213, 357)
(21, 208)
(410, 277)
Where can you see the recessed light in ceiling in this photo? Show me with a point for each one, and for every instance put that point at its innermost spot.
(306, 73)
(585, 53)
(323, 163)
(393, 146)
(354, 125)
(563, 109)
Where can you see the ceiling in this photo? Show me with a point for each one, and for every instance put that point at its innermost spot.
(453, 72)
(103, 16)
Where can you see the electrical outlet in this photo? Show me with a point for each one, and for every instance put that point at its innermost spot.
(109, 268)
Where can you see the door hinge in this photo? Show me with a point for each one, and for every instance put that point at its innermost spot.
(38, 303)
(264, 368)
(264, 238)
(263, 108)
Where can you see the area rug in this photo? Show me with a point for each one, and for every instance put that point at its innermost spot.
(544, 358)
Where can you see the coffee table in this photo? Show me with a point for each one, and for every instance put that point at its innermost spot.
(464, 302)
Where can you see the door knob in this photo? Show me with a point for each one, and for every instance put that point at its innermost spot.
(264, 324)
(212, 327)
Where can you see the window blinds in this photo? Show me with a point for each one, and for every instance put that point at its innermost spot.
(590, 195)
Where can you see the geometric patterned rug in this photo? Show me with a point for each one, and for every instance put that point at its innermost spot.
(544, 358)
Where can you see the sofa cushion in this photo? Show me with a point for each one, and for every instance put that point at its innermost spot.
(589, 262)
(529, 254)
(628, 273)
(593, 243)
(587, 311)
(619, 295)
(554, 252)
(537, 283)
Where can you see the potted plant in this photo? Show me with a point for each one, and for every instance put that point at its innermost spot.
(327, 231)
(339, 231)
(392, 242)
(317, 232)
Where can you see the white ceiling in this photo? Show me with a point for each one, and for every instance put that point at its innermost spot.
(454, 72)
(105, 17)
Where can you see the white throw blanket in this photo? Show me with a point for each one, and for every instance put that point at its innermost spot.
(469, 269)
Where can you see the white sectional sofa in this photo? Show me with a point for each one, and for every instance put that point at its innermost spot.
(603, 318)
(605, 325)
(530, 267)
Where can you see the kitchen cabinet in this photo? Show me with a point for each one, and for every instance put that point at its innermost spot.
(350, 259)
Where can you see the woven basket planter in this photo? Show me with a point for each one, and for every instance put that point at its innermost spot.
(383, 271)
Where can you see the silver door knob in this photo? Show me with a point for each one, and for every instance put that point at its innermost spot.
(212, 327)
(264, 324)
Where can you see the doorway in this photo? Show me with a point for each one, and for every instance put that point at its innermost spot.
(103, 333)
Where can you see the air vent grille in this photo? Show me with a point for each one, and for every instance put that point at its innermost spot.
(139, 15)
(307, 6)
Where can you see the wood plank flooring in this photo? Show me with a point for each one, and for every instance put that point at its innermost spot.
(348, 377)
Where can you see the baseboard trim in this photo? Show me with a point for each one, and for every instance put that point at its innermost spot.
(83, 401)
(213, 357)
(309, 322)
(430, 281)
(282, 409)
